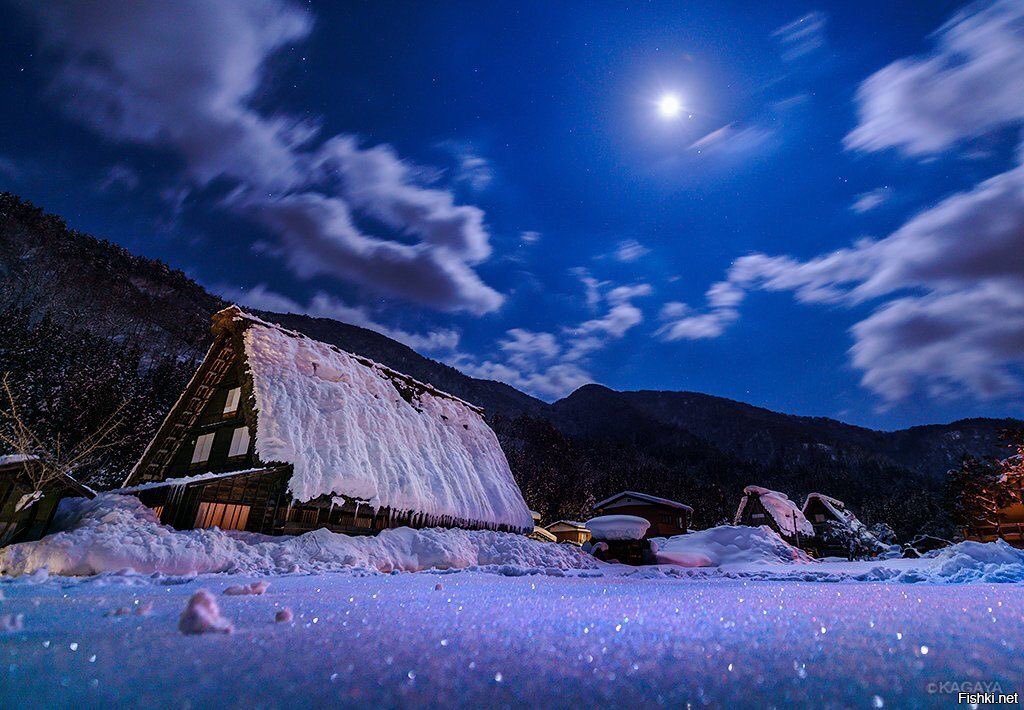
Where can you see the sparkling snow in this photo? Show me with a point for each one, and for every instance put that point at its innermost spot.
(347, 429)
(484, 640)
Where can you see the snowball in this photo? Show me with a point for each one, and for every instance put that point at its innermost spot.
(202, 616)
(618, 527)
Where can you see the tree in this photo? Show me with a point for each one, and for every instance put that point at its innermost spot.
(45, 461)
(978, 489)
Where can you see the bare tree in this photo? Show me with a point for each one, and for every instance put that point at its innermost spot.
(47, 461)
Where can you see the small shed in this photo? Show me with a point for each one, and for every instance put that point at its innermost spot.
(569, 531)
(667, 517)
(762, 506)
(26, 513)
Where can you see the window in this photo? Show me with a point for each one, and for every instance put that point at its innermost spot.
(225, 516)
(201, 454)
(231, 404)
(819, 517)
(757, 516)
(239, 442)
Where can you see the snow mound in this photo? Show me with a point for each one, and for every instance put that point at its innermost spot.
(618, 527)
(350, 426)
(727, 545)
(111, 533)
(976, 562)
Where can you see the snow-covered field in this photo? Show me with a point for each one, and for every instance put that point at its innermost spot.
(486, 640)
(484, 619)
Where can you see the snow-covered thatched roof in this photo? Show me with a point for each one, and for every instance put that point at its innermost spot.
(787, 516)
(350, 426)
(838, 510)
(646, 498)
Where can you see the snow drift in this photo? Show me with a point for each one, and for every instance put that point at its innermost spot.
(727, 545)
(618, 527)
(353, 427)
(112, 533)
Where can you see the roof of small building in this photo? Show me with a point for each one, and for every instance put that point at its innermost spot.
(569, 523)
(644, 497)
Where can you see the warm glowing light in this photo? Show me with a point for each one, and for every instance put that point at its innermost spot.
(670, 106)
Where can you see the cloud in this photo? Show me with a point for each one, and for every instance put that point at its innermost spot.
(188, 76)
(9, 168)
(592, 287)
(867, 201)
(630, 250)
(971, 84)
(120, 176)
(550, 365)
(803, 36)
(730, 140)
(947, 287)
(529, 237)
(323, 305)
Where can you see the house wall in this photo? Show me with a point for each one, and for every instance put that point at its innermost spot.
(567, 534)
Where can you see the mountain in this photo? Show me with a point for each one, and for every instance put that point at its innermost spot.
(85, 324)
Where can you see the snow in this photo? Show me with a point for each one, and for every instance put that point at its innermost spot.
(202, 616)
(784, 512)
(727, 546)
(111, 533)
(185, 480)
(343, 423)
(618, 527)
(11, 459)
(492, 641)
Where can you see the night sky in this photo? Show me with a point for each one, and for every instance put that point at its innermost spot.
(817, 209)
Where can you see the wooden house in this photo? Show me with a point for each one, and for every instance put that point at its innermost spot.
(569, 531)
(280, 434)
(667, 517)
(27, 513)
(1008, 522)
(762, 506)
(540, 534)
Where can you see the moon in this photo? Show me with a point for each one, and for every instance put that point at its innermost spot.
(670, 106)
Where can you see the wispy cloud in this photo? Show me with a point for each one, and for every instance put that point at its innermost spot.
(868, 201)
(551, 365)
(631, 250)
(803, 36)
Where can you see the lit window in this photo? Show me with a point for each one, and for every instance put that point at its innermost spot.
(202, 451)
(222, 515)
(239, 442)
(757, 516)
(231, 404)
